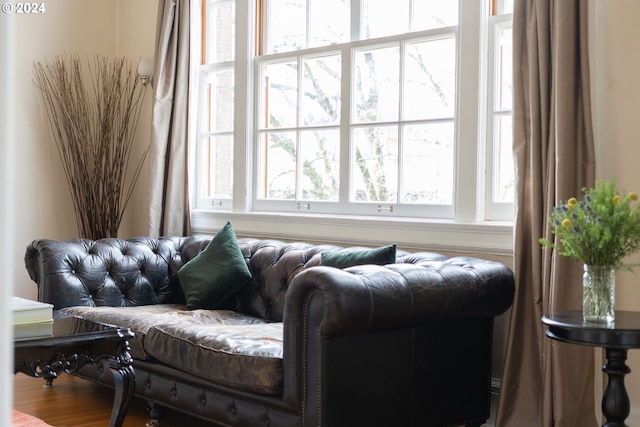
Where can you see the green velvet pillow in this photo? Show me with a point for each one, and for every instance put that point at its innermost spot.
(215, 273)
(354, 256)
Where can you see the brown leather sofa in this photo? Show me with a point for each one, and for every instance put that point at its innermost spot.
(404, 344)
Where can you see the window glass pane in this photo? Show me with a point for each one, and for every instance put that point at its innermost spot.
(427, 164)
(504, 77)
(218, 101)
(280, 95)
(384, 18)
(321, 90)
(374, 169)
(221, 31)
(503, 167)
(277, 179)
(376, 83)
(216, 158)
(320, 151)
(430, 79)
(329, 22)
(504, 6)
(430, 14)
(286, 26)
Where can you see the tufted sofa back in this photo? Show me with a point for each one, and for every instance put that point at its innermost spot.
(141, 271)
(110, 272)
(273, 265)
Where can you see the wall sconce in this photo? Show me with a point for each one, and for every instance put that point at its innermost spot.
(145, 70)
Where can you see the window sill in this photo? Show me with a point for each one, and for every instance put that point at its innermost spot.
(409, 234)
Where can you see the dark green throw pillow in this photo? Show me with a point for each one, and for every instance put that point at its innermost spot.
(353, 256)
(215, 273)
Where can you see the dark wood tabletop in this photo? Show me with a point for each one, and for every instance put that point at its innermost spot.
(569, 326)
(69, 330)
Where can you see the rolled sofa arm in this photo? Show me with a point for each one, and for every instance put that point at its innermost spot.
(372, 298)
(328, 305)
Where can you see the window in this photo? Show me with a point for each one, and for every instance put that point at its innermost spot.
(500, 189)
(216, 104)
(356, 107)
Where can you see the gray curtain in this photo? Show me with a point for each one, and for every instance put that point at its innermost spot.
(168, 155)
(545, 382)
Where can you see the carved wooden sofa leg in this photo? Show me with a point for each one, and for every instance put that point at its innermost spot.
(156, 413)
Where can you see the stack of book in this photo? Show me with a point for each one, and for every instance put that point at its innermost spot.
(31, 318)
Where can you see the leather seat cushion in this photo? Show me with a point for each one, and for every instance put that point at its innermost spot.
(139, 319)
(244, 356)
(143, 317)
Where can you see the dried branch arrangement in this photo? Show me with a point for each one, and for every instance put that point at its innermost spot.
(94, 114)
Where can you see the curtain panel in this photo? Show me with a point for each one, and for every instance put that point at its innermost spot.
(545, 382)
(168, 155)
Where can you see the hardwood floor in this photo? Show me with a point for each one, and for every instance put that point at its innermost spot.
(73, 402)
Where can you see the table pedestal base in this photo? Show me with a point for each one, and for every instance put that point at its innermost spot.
(615, 402)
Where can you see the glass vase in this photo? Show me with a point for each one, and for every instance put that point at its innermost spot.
(598, 293)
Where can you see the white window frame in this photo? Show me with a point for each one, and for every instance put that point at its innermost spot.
(493, 210)
(344, 206)
(200, 199)
(468, 230)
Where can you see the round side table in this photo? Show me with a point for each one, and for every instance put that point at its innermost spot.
(616, 338)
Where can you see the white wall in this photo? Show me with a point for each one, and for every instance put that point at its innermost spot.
(43, 203)
(7, 50)
(86, 28)
(36, 201)
(136, 39)
(615, 59)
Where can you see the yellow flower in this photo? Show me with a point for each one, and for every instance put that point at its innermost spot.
(633, 196)
(616, 198)
(566, 222)
(572, 201)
